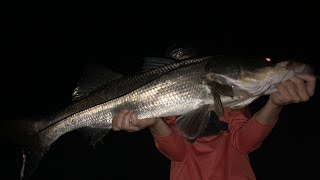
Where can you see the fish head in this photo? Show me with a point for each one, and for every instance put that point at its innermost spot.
(253, 76)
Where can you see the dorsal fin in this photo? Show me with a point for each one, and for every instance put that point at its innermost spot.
(94, 76)
(155, 62)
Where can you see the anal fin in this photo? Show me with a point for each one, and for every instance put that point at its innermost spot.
(93, 135)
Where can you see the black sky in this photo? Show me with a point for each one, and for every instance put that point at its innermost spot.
(44, 57)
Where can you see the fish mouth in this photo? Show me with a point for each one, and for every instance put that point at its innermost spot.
(296, 67)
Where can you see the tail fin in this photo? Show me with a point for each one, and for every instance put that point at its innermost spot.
(27, 136)
(32, 153)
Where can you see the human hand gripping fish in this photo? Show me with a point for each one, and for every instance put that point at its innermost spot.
(128, 121)
(297, 89)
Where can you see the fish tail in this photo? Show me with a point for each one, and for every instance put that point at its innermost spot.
(31, 157)
(28, 136)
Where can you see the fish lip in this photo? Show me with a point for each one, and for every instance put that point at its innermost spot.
(297, 67)
(291, 65)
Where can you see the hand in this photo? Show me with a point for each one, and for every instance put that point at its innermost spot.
(128, 121)
(297, 89)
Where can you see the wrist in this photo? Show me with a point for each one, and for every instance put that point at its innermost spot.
(157, 122)
(160, 128)
(268, 113)
(272, 106)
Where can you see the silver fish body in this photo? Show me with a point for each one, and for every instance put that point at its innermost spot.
(171, 90)
(172, 94)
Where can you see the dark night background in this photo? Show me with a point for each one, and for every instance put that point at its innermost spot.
(44, 56)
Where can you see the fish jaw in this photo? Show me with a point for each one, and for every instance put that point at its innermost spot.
(291, 69)
(260, 81)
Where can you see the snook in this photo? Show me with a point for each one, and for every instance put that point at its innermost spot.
(190, 88)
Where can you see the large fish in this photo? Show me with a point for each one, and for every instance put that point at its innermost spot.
(190, 89)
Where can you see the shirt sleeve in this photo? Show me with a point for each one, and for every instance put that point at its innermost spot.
(173, 146)
(247, 134)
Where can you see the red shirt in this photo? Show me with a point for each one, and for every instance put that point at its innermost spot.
(219, 157)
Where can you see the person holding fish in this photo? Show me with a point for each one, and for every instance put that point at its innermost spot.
(221, 150)
(195, 110)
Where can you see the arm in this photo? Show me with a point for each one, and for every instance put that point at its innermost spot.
(248, 135)
(167, 140)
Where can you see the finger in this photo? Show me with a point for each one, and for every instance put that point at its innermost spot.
(291, 88)
(282, 95)
(126, 118)
(278, 98)
(126, 124)
(310, 83)
(116, 122)
(134, 119)
(140, 123)
(301, 88)
(135, 123)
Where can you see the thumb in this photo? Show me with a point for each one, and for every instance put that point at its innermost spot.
(135, 121)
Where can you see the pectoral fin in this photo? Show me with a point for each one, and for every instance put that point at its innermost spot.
(218, 107)
(224, 90)
(192, 124)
